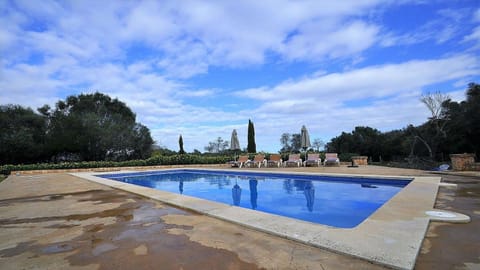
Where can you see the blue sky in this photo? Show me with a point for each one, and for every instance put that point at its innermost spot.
(203, 68)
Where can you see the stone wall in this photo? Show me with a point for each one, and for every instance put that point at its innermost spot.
(464, 162)
(360, 160)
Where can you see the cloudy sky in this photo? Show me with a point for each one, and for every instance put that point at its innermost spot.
(203, 68)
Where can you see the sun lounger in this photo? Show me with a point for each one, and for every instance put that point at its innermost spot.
(331, 158)
(313, 159)
(293, 159)
(258, 160)
(275, 159)
(241, 161)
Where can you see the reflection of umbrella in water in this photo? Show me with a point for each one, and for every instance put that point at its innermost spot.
(180, 186)
(253, 193)
(309, 195)
(236, 194)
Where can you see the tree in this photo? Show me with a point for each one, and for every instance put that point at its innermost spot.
(180, 143)
(317, 144)
(438, 120)
(217, 146)
(463, 125)
(251, 147)
(95, 127)
(452, 127)
(285, 142)
(142, 142)
(472, 114)
(291, 142)
(22, 136)
(296, 142)
(365, 141)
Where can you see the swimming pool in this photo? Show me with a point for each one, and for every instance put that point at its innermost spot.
(342, 202)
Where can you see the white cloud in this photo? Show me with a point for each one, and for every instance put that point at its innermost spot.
(189, 36)
(145, 52)
(375, 81)
(384, 97)
(444, 27)
(476, 15)
(320, 40)
(197, 93)
(474, 37)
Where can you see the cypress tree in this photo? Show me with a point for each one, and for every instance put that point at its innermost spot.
(251, 147)
(180, 143)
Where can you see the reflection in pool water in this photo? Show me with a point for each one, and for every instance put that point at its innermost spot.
(335, 201)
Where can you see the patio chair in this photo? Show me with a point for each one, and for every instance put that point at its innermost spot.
(258, 160)
(293, 159)
(241, 161)
(275, 159)
(331, 158)
(313, 159)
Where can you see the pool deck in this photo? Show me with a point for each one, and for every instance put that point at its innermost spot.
(392, 236)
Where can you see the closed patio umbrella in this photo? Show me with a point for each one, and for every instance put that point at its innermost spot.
(234, 144)
(305, 140)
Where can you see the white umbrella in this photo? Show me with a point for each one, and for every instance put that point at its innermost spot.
(234, 144)
(305, 139)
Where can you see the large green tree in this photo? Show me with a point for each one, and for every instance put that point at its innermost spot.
(22, 135)
(463, 126)
(251, 146)
(95, 127)
(363, 140)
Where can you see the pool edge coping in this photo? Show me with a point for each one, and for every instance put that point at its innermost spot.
(391, 236)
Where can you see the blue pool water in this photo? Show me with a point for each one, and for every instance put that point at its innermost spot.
(335, 201)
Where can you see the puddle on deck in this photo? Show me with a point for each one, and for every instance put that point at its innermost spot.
(137, 239)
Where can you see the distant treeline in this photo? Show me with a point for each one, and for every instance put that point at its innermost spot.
(88, 127)
(94, 127)
(452, 128)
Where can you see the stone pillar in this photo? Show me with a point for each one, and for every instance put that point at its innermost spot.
(360, 160)
(462, 162)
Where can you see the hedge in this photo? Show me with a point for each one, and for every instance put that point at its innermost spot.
(153, 161)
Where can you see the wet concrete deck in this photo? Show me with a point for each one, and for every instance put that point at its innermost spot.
(391, 236)
(58, 221)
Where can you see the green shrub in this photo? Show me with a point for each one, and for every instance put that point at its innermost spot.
(153, 161)
(347, 157)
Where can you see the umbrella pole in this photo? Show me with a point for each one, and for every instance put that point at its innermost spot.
(305, 163)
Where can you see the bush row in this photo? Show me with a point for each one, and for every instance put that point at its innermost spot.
(153, 161)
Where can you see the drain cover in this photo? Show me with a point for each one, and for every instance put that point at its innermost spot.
(447, 216)
(440, 214)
